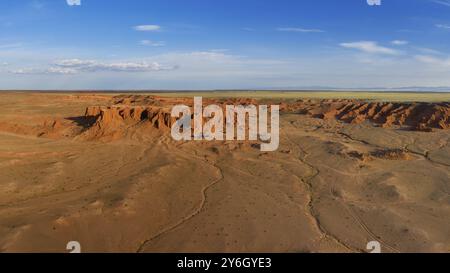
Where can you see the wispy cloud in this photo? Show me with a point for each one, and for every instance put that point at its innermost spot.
(299, 29)
(370, 47)
(399, 42)
(209, 56)
(51, 70)
(409, 31)
(220, 50)
(426, 50)
(126, 66)
(74, 2)
(433, 60)
(10, 46)
(442, 2)
(443, 26)
(152, 43)
(75, 66)
(74, 63)
(147, 28)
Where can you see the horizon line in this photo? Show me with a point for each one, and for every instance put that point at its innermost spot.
(339, 90)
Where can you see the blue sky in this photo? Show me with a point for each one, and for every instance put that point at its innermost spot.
(206, 44)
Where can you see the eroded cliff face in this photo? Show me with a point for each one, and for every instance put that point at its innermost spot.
(118, 120)
(133, 114)
(125, 115)
(414, 116)
(137, 114)
(117, 115)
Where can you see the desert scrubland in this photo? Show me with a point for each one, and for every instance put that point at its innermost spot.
(103, 170)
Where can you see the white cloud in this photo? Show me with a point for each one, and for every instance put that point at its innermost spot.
(51, 70)
(297, 29)
(370, 47)
(211, 56)
(220, 50)
(10, 46)
(126, 66)
(133, 67)
(74, 63)
(426, 50)
(442, 2)
(75, 66)
(60, 70)
(433, 60)
(399, 42)
(22, 71)
(443, 26)
(74, 2)
(152, 43)
(147, 28)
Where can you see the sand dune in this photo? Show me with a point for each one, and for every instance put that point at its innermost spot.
(104, 171)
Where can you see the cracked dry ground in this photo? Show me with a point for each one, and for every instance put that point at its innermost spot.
(331, 187)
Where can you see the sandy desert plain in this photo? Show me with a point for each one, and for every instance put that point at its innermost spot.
(103, 170)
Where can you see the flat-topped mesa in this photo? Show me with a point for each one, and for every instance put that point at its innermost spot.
(108, 117)
(155, 112)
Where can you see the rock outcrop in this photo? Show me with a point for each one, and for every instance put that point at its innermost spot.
(112, 116)
(115, 121)
(135, 112)
(415, 116)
